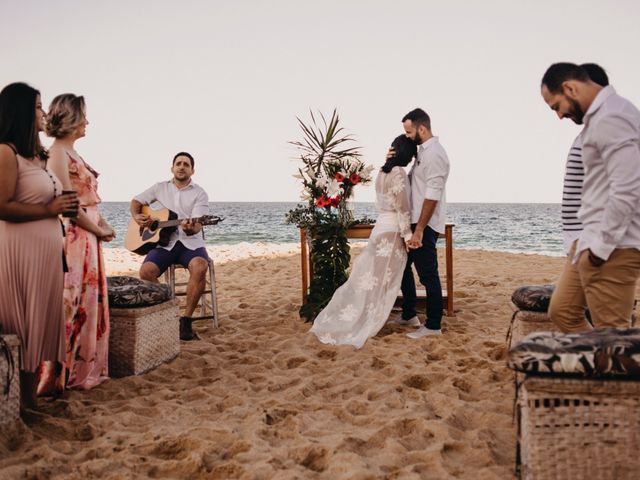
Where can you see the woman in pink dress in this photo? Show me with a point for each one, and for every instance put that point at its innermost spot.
(31, 243)
(85, 289)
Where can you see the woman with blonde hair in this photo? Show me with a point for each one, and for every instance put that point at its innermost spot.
(31, 266)
(85, 288)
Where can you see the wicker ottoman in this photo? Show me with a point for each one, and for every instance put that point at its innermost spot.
(10, 381)
(574, 428)
(142, 338)
(524, 322)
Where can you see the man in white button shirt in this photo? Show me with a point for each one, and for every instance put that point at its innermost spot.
(607, 253)
(186, 246)
(428, 177)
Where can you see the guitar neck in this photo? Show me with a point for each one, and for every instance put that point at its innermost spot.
(176, 222)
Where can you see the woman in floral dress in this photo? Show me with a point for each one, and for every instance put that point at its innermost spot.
(361, 306)
(85, 289)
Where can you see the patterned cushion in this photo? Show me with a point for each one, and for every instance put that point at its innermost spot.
(131, 292)
(601, 352)
(534, 298)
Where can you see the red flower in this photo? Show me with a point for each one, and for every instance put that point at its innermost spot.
(339, 177)
(322, 202)
(354, 178)
(335, 201)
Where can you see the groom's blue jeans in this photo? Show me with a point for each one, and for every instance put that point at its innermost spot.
(425, 259)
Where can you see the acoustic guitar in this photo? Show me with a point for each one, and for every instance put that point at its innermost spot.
(142, 240)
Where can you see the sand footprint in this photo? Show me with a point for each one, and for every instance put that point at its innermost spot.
(419, 382)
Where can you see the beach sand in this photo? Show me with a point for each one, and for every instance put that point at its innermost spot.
(261, 398)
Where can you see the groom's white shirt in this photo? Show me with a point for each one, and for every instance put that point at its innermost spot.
(428, 178)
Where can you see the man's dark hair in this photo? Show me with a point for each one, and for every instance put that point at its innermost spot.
(558, 73)
(184, 154)
(418, 117)
(18, 119)
(405, 149)
(596, 73)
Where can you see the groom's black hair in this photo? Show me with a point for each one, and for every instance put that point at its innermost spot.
(418, 117)
(405, 149)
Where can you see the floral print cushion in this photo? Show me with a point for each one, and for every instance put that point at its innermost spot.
(131, 292)
(534, 298)
(600, 352)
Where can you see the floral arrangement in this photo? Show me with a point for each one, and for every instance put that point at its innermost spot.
(331, 169)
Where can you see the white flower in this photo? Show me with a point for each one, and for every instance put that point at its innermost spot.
(384, 248)
(334, 188)
(305, 195)
(367, 282)
(367, 171)
(372, 309)
(322, 180)
(349, 313)
(399, 254)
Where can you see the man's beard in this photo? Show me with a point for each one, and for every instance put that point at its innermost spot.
(416, 139)
(576, 114)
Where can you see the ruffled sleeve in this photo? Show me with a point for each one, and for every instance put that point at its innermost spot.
(398, 193)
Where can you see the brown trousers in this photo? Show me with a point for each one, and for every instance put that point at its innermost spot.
(608, 291)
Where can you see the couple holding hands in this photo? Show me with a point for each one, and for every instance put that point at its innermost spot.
(411, 215)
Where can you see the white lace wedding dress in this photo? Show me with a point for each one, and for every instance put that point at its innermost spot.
(361, 306)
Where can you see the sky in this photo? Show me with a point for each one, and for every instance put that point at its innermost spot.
(226, 80)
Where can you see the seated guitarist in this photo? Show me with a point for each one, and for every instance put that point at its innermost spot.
(186, 246)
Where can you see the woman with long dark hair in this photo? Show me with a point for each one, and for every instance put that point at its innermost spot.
(361, 306)
(31, 241)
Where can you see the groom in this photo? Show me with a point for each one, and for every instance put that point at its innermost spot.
(428, 177)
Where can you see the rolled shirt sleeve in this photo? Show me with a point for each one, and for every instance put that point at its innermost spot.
(201, 205)
(617, 139)
(436, 174)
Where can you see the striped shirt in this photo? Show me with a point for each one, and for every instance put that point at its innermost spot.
(572, 195)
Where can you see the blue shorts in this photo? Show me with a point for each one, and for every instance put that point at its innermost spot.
(164, 258)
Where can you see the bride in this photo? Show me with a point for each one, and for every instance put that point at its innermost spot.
(361, 306)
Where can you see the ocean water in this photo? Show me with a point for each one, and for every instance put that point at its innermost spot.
(517, 227)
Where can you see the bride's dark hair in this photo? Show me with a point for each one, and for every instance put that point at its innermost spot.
(405, 149)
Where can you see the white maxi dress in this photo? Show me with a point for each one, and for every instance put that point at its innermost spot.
(361, 306)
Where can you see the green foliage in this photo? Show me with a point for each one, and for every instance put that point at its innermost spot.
(330, 258)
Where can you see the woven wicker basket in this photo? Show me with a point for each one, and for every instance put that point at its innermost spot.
(579, 428)
(10, 405)
(142, 338)
(524, 322)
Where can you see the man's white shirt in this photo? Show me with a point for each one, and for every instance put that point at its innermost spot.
(610, 211)
(428, 177)
(187, 202)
